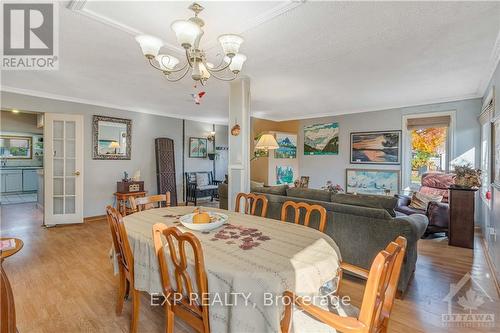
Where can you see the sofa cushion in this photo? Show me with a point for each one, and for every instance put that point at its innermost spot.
(277, 190)
(202, 179)
(308, 193)
(421, 201)
(370, 201)
(406, 210)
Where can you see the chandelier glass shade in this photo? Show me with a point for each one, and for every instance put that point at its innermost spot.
(189, 33)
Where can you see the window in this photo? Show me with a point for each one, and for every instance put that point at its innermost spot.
(427, 148)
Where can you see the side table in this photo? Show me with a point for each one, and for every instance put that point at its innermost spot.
(122, 200)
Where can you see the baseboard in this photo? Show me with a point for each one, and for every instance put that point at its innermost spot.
(94, 218)
(491, 266)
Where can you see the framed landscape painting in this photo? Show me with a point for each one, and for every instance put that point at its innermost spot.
(321, 139)
(369, 181)
(288, 146)
(284, 175)
(198, 147)
(382, 147)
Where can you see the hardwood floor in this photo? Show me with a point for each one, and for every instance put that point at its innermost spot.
(63, 281)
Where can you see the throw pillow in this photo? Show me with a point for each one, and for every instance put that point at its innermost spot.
(202, 179)
(421, 201)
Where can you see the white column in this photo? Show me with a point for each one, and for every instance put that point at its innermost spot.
(239, 146)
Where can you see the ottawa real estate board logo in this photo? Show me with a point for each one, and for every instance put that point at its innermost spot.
(30, 36)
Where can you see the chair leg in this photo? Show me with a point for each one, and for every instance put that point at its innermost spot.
(169, 314)
(121, 293)
(135, 311)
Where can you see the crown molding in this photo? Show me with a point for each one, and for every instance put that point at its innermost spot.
(42, 94)
(492, 66)
(272, 13)
(78, 6)
(261, 114)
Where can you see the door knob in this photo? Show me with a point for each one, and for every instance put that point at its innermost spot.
(77, 173)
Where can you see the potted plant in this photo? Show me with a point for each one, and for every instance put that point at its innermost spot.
(467, 176)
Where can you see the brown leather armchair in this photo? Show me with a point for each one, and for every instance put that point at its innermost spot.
(437, 212)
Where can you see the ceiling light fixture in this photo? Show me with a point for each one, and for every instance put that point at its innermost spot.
(15, 111)
(189, 33)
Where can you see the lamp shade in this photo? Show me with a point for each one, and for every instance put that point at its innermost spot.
(230, 44)
(186, 32)
(237, 63)
(114, 144)
(150, 45)
(266, 142)
(167, 62)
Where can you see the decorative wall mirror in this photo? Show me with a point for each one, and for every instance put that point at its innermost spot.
(15, 147)
(112, 138)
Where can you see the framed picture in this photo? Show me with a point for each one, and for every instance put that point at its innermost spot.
(321, 139)
(381, 147)
(304, 182)
(284, 175)
(198, 147)
(370, 181)
(288, 146)
(14, 147)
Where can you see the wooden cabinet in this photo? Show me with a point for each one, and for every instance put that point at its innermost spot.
(461, 229)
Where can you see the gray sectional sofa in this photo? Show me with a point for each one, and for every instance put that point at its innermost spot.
(361, 225)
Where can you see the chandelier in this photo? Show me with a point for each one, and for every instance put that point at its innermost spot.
(189, 33)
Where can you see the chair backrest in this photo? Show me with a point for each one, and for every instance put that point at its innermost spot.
(177, 242)
(191, 177)
(379, 289)
(391, 290)
(120, 241)
(144, 203)
(7, 309)
(309, 209)
(251, 201)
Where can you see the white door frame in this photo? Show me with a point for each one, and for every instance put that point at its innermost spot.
(62, 218)
(406, 162)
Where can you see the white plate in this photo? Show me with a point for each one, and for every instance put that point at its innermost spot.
(219, 219)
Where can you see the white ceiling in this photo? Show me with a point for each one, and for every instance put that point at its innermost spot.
(304, 59)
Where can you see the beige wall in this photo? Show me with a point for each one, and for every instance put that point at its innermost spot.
(263, 169)
(19, 122)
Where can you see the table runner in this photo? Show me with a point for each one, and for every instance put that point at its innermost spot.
(255, 256)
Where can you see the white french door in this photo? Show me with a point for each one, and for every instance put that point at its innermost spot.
(63, 164)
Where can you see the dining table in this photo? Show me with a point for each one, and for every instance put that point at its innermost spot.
(250, 261)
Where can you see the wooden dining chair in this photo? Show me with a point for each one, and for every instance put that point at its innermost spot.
(125, 266)
(309, 209)
(7, 308)
(376, 305)
(182, 301)
(144, 203)
(392, 288)
(251, 201)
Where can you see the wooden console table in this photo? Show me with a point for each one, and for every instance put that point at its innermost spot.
(461, 229)
(123, 198)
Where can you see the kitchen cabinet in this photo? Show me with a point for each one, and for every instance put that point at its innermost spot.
(18, 180)
(30, 180)
(13, 180)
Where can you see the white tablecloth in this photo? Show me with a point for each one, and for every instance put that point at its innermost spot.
(287, 257)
